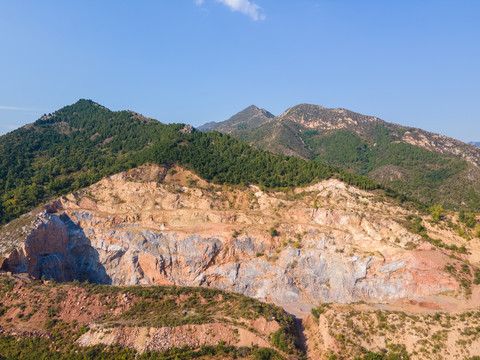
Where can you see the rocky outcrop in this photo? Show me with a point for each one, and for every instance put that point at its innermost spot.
(56, 248)
(328, 243)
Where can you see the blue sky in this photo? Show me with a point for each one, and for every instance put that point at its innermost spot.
(415, 63)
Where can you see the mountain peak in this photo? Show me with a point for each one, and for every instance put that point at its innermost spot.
(80, 105)
(322, 118)
(253, 111)
(249, 118)
(252, 108)
(304, 107)
(84, 104)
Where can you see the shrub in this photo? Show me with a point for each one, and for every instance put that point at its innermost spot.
(273, 232)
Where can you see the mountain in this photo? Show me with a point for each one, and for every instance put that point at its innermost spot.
(428, 166)
(250, 118)
(126, 238)
(81, 143)
(476, 143)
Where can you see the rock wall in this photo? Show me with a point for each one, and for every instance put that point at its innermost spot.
(56, 248)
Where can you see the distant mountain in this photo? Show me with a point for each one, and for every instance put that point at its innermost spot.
(476, 143)
(432, 167)
(250, 118)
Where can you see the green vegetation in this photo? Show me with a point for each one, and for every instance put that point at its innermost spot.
(157, 306)
(316, 312)
(470, 220)
(415, 225)
(41, 348)
(152, 306)
(358, 333)
(285, 338)
(436, 211)
(7, 285)
(402, 355)
(79, 144)
(273, 232)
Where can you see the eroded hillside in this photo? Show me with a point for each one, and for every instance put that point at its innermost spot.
(326, 243)
(153, 225)
(155, 322)
(348, 331)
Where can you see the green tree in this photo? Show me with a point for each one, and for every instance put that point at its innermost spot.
(436, 211)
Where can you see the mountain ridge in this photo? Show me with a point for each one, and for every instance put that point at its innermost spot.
(83, 142)
(154, 208)
(429, 166)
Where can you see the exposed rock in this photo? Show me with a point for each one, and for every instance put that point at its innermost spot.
(56, 248)
(132, 229)
(187, 129)
(160, 339)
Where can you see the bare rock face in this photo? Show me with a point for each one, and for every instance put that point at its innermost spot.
(57, 249)
(325, 243)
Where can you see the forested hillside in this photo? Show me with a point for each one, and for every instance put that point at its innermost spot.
(79, 144)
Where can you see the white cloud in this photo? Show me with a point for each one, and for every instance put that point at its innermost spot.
(199, 2)
(4, 107)
(245, 7)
